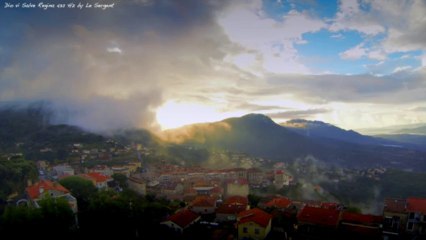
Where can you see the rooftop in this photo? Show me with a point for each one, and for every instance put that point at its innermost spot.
(183, 218)
(255, 215)
(34, 191)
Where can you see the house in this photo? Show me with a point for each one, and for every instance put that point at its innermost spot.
(121, 170)
(61, 171)
(137, 184)
(100, 181)
(237, 187)
(281, 179)
(394, 216)
(360, 226)
(279, 203)
(172, 190)
(203, 205)
(317, 220)
(416, 210)
(255, 176)
(102, 169)
(253, 224)
(181, 220)
(45, 188)
(230, 209)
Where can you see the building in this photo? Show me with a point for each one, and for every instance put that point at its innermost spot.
(100, 181)
(394, 216)
(318, 220)
(181, 220)
(279, 203)
(255, 176)
(361, 226)
(203, 205)
(238, 187)
(253, 224)
(281, 179)
(102, 169)
(121, 170)
(61, 171)
(137, 184)
(45, 188)
(230, 209)
(416, 210)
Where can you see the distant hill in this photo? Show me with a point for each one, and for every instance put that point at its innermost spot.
(318, 129)
(416, 141)
(258, 135)
(29, 129)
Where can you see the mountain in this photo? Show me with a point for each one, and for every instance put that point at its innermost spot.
(254, 134)
(259, 136)
(29, 130)
(318, 129)
(412, 140)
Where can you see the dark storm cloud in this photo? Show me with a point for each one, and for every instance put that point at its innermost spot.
(109, 68)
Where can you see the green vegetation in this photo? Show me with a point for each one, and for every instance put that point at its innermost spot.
(81, 188)
(53, 217)
(402, 184)
(14, 175)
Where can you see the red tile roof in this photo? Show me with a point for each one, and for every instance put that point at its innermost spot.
(255, 215)
(416, 205)
(97, 177)
(330, 205)
(237, 200)
(395, 205)
(183, 218)
(203, 201)
(233, 205)
(34, 191)
(279, 202)
(358, 218)
(319, 216)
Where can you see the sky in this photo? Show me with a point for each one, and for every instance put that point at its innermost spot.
(166, 63)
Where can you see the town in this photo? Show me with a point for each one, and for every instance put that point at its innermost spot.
(228, 203)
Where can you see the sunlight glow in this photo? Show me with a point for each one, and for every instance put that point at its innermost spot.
(177, 114)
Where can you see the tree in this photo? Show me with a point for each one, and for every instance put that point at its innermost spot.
(54, 217)
(253, 200)
(81, 188)
(121, 179)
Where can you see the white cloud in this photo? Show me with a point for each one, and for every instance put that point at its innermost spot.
(356, 52)
(114, 50)
(246, 24)
(351, 17)
(401, 69)
(402, 23)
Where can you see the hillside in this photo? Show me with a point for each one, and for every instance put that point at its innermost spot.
(318, 129)
(259, 136)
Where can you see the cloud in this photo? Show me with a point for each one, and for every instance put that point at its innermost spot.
(351, 17)
(110, 69)
(401, 23)
(354, 53)
(401, 68)
(310, 113)
(401, 87)
(273, 43)
(419, 109)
